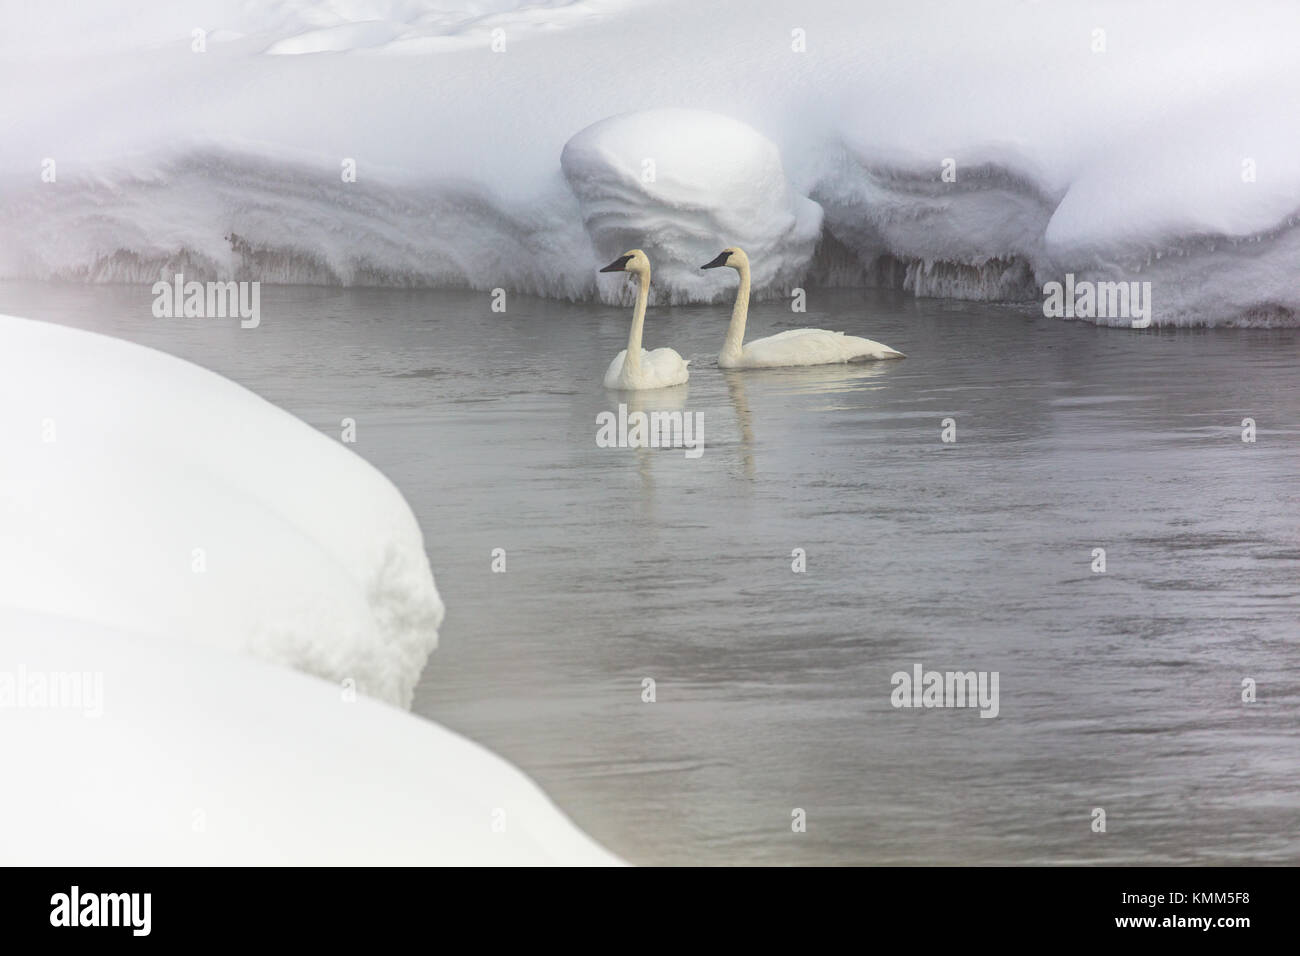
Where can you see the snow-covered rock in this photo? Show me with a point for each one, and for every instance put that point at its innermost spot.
(142, 493)
(682, 185)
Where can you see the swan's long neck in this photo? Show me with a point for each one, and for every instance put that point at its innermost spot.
(731, 345)
(633, 361)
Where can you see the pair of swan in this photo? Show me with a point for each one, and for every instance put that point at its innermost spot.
(635, 369)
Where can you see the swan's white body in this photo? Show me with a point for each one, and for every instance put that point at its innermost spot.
(806, 347)
(658, 369)
(786, 349)
(635, 368)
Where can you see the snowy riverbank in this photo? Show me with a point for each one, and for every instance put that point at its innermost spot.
(184, 755)
(149, 495)
(974, 151)
(173, 548)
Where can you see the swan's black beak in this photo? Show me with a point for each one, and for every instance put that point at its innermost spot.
(716, 263)
(617, 265)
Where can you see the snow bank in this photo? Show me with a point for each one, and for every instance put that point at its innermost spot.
(217, 214)
(162, 527)
(682, 185)
(425, 26)
(1151, 141)
(182, 755)
(144, 494)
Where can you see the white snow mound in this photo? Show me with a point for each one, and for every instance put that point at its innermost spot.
(142, 493)
(682, 185)
(159, 753)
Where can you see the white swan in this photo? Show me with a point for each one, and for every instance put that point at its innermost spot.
(796, 347)
(634, 368)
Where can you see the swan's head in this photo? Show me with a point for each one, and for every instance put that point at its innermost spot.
(633, 260)
(733, 257)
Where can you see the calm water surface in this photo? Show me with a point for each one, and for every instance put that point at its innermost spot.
(1119, 690)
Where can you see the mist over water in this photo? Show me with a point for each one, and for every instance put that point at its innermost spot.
(1119, 690)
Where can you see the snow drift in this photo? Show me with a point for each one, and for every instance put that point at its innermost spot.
(977, 150)
(144, 494)
(201, 757)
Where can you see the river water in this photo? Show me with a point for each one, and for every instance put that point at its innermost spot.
(1118, 690)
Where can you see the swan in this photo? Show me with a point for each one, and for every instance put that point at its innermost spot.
(795, 347)
(634, 368)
